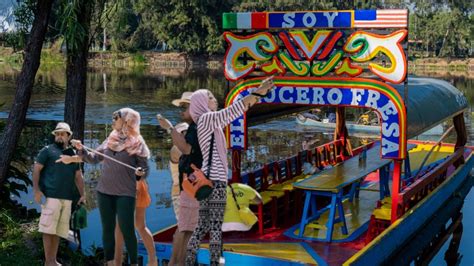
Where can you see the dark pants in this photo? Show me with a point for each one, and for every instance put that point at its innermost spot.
(122, 207)
(211, 216)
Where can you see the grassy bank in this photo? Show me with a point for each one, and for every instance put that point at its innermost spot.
(448, 64)
(149, 59)
(22, 243)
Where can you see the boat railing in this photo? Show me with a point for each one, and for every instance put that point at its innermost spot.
(321, 156)
(329, 153)
(426, 183)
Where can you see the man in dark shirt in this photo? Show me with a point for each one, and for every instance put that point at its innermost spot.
(193, 157)
(56, 181)
(191, 154)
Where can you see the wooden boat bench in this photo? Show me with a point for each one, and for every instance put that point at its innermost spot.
(270, 199)
(331, 183)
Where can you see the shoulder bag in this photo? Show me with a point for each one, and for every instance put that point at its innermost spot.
(197, 184)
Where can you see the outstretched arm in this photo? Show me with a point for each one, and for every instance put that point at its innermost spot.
(222, 118)
(87, 156)
(66, 159)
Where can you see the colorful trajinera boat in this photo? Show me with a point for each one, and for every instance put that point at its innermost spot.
(364, 206)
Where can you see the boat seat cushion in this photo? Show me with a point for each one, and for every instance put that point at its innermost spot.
(288, 185)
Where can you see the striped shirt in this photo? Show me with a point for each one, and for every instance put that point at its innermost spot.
(206, 125)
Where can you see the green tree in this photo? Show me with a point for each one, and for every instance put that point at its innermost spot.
(74, 23)
(24, 18)
(445, 27)
(190, 26)
(24, 87)
(122, 25)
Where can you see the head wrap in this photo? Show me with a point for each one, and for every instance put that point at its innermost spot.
(128, 138)
(200, 105)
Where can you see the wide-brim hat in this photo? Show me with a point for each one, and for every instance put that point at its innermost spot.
(185, 98)
(62, 127)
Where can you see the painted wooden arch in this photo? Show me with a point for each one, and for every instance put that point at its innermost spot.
(353, 92)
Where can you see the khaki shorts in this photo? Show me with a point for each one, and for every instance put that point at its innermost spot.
(55, 214)
(188, 214)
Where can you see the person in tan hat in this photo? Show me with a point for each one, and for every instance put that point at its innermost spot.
(185, 99)
(188, 146)
(56, 181)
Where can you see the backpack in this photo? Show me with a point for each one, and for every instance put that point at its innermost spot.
(79, 218)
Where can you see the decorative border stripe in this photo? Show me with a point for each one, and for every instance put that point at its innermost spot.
(259, 20)
(393, 18)
(242, 89)
(244, 20)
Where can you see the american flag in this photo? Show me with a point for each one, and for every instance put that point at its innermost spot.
(390, 18)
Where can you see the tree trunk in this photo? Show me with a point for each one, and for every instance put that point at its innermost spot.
(24, 86)
(444, 42)
(76, 75)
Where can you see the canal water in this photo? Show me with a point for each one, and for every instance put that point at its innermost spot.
(151, 94)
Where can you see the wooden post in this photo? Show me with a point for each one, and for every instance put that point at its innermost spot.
(397, 171)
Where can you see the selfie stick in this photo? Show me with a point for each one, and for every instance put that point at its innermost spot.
(106, 156)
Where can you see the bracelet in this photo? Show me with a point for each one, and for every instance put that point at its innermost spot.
(260, 95)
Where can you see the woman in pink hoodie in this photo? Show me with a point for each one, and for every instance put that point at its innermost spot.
(210, 124)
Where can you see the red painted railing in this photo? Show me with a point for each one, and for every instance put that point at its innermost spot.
(420, 188)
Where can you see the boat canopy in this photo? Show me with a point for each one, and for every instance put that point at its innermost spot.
(430, 102)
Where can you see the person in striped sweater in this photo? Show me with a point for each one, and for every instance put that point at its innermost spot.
(210, 123)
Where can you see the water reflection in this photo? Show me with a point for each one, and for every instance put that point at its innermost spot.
(146, 93)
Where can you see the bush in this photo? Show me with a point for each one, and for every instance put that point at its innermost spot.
(22, 243)
(139, 59)
(20, 240)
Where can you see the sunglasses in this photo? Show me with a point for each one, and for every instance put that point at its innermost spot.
(116, 115)
(60, 134)
(183, 107)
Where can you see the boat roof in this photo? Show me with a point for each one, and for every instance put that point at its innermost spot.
(429, 102)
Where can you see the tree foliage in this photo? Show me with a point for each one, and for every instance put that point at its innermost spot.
(190, 26)
(443, 27)
(24, 18)
(437, 27)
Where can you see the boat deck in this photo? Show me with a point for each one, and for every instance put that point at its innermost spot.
(282, 246)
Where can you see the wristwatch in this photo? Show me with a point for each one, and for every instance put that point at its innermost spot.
(169, 130)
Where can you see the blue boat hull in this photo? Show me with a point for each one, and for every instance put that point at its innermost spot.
(403, 230)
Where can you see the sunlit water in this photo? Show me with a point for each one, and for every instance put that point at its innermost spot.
(152, 94)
